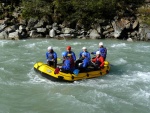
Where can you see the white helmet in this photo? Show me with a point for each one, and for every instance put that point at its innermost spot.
(83, 47)
(50, 48)
(101, 44)
(98, 53)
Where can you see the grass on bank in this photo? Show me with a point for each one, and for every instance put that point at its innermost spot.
(144, 14)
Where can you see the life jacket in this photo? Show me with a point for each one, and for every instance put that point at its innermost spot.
(103, 52)
(98, 61)
(72, 55)
(51, 56)
(72, 62)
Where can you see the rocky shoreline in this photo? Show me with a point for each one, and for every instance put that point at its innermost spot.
(128, 28)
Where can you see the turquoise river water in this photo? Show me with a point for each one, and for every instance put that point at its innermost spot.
(126, 89)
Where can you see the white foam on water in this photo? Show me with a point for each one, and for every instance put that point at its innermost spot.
(2, 42)
(120, 61)
(73, 101)
(36, 78)
(30, 45)
(142, 76)
(119, 45)
(139, 65)
(76, 43)
(9, 61)
(2, 69)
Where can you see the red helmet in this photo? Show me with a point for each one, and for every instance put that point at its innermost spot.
(68, 48)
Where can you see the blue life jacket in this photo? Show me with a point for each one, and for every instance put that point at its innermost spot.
(85, 63)
(103, 52)
(72, 54)
(51, 55)
(87, 54)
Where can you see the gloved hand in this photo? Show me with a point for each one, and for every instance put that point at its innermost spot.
(79, 64)
(92, 52)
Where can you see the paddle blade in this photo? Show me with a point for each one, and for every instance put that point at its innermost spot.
(59, 59)
(57, 70)
(76, 71)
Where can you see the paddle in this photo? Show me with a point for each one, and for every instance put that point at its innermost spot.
(76, 72)
(59, 59)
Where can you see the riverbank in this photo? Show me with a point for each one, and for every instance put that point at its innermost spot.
(125, 26)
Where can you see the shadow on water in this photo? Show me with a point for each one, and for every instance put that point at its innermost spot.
(117, 70)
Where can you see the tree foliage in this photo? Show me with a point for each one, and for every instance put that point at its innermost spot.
(75, 10)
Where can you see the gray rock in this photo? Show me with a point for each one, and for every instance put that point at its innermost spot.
(147, 36)
(3, 35)
(52, 33)
(135, 24)
(39, 24)
(2, 26)
(32, 22)
(129, 40)
(14, 36)
(94, 34)
(41, 30)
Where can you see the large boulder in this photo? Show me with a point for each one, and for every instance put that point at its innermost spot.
(117, 29)
(2, 26)
(14, 36)
(41, 30)
(32, 22)
(52, 33)
(3, 35)
(147, 36)
(39, 24)
(94, 34)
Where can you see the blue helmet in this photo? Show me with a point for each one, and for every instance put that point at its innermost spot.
(64, 54)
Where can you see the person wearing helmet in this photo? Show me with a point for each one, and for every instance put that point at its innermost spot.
(102, 50)
(98, 60)
(67, 64)
(84, 49)
(68, 48)
(51, 57)
(85, 62)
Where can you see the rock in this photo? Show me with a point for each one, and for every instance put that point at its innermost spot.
(14, 36)
(32, 22)
(117, 34)
(135, 24)
(128, 25)
(39, 24)
(15, 14)
(6, 21)
(2, 26)
(117, 29)
(47, 36)
(129, 40)
(32, 33)
(22, 22)
(108, 31)
(147, 36)
(48, 27)
(52, 33)
(3, 35)
(99, 29)
(9, 30)
(94, 34)
(133, 34)
(41, 30)
(66, 30)
(21, 27)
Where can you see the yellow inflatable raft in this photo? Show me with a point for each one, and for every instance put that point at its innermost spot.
(49, 72)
